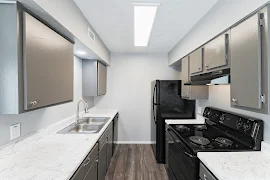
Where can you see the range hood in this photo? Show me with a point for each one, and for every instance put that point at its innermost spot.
(213, 78)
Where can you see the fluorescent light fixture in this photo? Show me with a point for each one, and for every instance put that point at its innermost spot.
(144, 16)
(81, 52)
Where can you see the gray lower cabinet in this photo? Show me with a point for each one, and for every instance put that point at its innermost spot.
(115, 131)
(196, 61)
(92, 174)
(109, 149)
(86, 165)
(216, 53)
(102, 162)
(205, 174)
(246, 64)
(97, 162)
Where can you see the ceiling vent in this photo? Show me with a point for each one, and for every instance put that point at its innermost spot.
(91, 35)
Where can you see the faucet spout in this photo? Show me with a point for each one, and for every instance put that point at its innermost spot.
(78, 110)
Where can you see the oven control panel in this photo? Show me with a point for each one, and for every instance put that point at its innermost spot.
(242, 124)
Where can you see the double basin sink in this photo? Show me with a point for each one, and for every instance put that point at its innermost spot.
(86, 125)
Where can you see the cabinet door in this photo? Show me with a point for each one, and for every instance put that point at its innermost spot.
(196, 61)
(185, 75)
(216, 52)
(92, 174)
(115, 132)
(246, 64)
(109, 149)
(102, 79)
(102, 162)
(48, 66)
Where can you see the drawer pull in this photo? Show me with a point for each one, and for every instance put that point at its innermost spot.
(234, 100)
(88, 161)
(204, 177)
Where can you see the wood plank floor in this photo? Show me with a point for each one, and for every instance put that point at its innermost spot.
(135, 162)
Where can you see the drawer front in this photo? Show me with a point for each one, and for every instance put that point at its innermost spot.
(104, 136)
(85, 166)
(205, 174)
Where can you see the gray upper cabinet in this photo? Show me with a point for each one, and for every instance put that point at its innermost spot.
(102, 79)
(48, 65)
(191, 92)
(82, 29)
(185, 76)
(196, 61)
(36, 66)
(246, 64)
(94, 78)
(216, 52)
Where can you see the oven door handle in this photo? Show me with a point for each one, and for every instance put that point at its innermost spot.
(186, 153)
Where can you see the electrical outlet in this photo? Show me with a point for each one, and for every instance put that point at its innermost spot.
(15, 131)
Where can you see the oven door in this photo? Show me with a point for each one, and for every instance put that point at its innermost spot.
(183, 164)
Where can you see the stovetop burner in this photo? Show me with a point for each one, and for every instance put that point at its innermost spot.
(182, 128)
(200, 127)
(199, 140)
(224, 141)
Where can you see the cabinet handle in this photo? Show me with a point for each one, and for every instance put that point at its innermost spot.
(96, 160)
(199, 68)
(33, 103)
(88, 161)
(234, 100)
(206, 66)
(204, 177)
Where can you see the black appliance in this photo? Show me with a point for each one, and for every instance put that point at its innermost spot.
(167, 104)
(223, 131)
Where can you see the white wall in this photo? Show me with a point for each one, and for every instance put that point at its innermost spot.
(223, 14)
(38, 119)
(129, 90)
(219, 97)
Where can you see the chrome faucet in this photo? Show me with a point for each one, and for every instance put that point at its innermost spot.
(78, 110)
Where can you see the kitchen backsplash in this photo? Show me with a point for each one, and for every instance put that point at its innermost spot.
(219, 97)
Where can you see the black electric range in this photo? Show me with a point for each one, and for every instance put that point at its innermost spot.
(222, 131)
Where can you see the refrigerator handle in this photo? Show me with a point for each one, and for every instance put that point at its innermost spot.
(154, 113)
(154, 91)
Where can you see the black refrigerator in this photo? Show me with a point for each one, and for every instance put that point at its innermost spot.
(167, 103)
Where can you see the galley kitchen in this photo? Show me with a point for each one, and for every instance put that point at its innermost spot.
(134, 90)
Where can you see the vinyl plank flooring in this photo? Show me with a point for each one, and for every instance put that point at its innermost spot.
(135, 162)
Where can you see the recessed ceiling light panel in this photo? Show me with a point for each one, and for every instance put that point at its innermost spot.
(144, 16)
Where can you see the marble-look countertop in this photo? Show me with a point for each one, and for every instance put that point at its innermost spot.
(239, 165)
(47, 155)
(199, 120)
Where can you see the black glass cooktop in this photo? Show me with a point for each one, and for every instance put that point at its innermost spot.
(211, 138)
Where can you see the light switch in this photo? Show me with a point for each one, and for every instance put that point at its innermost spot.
(15, 131)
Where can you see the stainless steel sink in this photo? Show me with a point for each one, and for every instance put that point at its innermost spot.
(87, 125)
(83, 128)
(94, 120)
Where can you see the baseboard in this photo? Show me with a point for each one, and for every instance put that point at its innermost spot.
(134, 142)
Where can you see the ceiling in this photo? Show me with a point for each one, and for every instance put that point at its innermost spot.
(113, 21)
